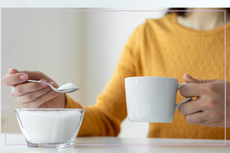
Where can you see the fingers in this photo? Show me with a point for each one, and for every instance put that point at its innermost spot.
(200, 89)
(40, 100)
(13, 71)
(32, 96)
(203, 111)
(36, 75)
(28, 87)
(191, 90)
(190, 79)
(29, 94)
(13, 79)
(190, 107)
(215, 123)
(196, 118)
(16, 77)
(205, 118)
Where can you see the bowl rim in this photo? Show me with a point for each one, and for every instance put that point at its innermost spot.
(49, 109)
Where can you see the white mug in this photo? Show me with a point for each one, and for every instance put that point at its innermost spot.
(152, 99)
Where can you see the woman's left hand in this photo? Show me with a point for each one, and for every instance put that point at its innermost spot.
(208, 109)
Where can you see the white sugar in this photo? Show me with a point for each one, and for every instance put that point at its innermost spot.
(50, 127)
(67, 86)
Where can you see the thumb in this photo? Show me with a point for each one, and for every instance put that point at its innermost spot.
(33, 75)
(37, 75)
(13, 71)
(190, 79)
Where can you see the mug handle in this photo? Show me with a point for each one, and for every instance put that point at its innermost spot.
(185, 100)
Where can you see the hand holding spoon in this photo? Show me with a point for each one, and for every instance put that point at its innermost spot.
(66, 88)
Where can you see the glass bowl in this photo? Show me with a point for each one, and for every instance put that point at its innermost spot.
(45, 127)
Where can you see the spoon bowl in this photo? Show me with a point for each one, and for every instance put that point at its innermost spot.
(66, 88)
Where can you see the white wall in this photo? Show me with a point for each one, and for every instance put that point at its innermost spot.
(45, 41)
(88, 44)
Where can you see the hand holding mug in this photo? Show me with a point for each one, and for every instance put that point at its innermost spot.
(208, 109)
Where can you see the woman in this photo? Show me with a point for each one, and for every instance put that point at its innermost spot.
(178, 43)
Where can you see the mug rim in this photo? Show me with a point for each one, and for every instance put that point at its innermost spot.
(149, 77)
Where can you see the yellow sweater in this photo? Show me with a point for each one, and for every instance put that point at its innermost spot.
(159, 47)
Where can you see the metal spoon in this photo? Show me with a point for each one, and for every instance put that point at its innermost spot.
(61, 89)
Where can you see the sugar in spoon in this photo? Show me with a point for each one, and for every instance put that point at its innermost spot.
(66, 88)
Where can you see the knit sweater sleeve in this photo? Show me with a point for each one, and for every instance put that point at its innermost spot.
(105, 117)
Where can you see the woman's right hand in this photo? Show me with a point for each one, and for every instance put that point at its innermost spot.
(33, 95)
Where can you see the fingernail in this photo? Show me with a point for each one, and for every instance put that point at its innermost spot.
(10, 69)
(24, 77)
(53, 84)
(42, 84)
(188, 76)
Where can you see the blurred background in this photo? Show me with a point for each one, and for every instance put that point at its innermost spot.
(68, 45)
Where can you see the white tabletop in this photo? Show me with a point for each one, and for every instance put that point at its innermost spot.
(17, 143)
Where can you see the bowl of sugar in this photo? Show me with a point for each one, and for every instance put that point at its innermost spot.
(45, 127)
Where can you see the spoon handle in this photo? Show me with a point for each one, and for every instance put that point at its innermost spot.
(43, 83)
